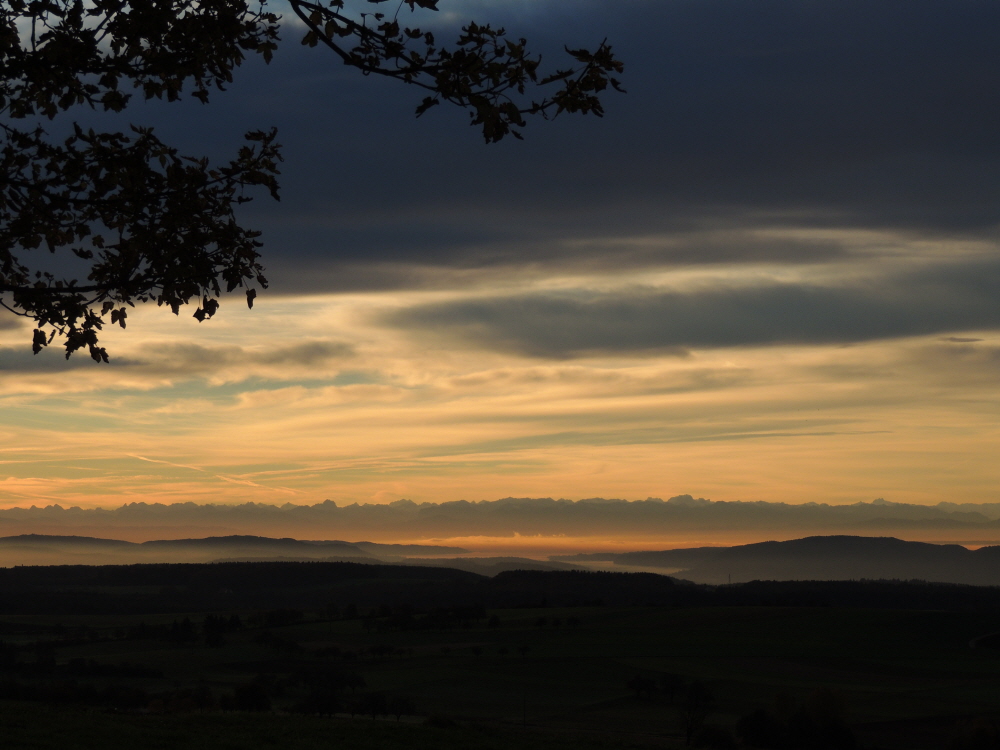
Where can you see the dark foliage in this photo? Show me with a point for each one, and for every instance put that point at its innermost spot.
(980, 733)
(671, 685)
(148, 222)
(819, 723)
(715, 738)
(251, 697)
(319, 703)
(374, 705)
(401, 705)
(695, 708)
(876, 594)
(282, 591)
(216, 627)
(183, 631)
(326, 684)
(151, 224)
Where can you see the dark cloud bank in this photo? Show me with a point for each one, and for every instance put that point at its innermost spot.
(185, 359)
(834, 113)
(939, 300)
(739, 116)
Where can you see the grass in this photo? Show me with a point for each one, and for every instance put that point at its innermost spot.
(30, 727)
(567, 684)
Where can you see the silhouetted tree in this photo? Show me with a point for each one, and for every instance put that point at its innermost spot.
(354, 681)
(149, 224)
(400, 705)
(322, 700)
(251, 697)
(375, 705)
(819, 722)
(671, 684)
(695, 708)
(215, 629)
(715, 738)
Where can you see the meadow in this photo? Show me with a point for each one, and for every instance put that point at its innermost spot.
(401, 674)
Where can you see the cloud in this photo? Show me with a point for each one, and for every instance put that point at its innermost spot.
(21, 359)
(558, 242)
(959, 362)
(937, 300)
(197, 359)
(185, 359)
(741, 119)
(830, 113)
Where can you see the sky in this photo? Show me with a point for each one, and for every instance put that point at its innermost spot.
(770, 272)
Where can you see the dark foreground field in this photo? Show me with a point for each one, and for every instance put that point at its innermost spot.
(317, 655)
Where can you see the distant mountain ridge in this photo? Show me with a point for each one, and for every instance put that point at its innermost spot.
(42, 549)
(680, 517)
(816, 558)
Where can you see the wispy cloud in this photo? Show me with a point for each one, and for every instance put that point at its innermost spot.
(577, 323)
(165, 463)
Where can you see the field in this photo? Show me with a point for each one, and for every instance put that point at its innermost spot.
(468, 676)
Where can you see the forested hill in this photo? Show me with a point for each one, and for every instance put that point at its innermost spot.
(319, 587)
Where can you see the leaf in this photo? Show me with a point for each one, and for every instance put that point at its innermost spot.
(38, 341)
(426, 104)
(151, 224)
